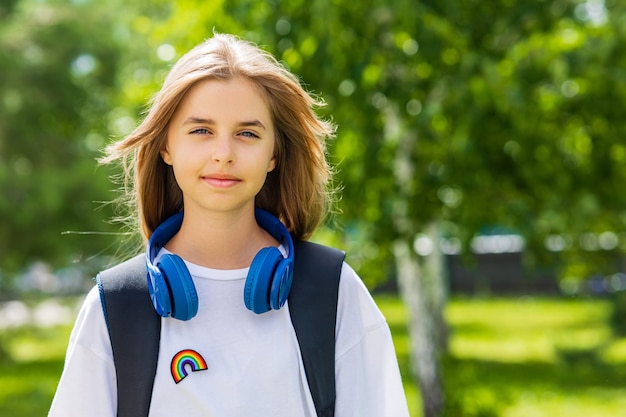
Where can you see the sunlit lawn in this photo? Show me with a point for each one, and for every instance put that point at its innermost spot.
(509, 358)
(526, 358)
(28, 381)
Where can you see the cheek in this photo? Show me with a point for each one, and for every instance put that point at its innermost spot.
(180, 153)
(181, 161)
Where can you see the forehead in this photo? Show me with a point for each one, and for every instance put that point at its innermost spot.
(234, 98)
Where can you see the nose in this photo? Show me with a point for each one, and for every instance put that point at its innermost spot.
(223, 152)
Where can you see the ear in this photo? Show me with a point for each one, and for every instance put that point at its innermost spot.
(165, 155)
(272, 164)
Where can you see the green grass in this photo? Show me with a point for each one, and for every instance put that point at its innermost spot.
(508, 358)
(29, 377)
(525, 358)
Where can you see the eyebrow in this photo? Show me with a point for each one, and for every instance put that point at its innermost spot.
(202, 120)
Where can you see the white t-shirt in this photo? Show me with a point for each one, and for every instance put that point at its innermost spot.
(230, 362)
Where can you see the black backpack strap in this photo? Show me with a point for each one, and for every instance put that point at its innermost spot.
(135, 327)
(135, 332)
(313, 309)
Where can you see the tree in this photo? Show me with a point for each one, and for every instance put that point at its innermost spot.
(58, 65)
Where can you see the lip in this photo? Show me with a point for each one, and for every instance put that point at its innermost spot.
(218, 180)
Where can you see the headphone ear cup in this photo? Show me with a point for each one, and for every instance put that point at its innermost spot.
(159, 292)
(256, 292)
(281, 284)
(183, 295)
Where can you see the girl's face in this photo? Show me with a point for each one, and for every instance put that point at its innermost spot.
(220, 143)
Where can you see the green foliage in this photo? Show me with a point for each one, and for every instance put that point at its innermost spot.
(618, 313)
(504, 114)
(58, 65)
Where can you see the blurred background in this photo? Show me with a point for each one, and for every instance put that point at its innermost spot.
(481, 155)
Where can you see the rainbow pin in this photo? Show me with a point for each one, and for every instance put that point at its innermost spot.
(185, 359)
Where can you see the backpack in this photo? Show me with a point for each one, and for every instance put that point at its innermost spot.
(135, 327)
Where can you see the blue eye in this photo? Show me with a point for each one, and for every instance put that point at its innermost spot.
(200, 131)
(249, 134)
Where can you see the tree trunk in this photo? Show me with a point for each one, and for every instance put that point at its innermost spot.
(422, 325)
(434, 277)
(421, 286)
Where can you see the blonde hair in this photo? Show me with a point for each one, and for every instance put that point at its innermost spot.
(297, 191)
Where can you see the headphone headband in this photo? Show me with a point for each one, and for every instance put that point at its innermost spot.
(171, 226)
(162, 235)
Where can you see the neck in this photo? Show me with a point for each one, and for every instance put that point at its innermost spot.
(220, 240)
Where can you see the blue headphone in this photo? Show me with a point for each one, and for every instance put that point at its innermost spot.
(171, 287)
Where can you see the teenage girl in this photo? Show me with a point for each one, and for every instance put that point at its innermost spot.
(231, 130)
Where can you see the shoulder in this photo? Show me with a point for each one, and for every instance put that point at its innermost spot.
(313, 253)
(354, 296)
(357, 312)
(123, 284)
(91, 307)
(90, 328)
(317, 271)
(120, 273)
(313, 258)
